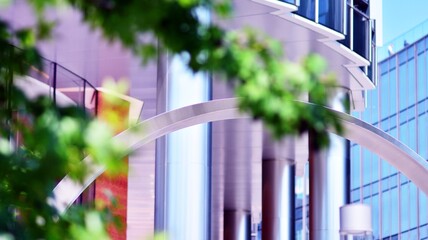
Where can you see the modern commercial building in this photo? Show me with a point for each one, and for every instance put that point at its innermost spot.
(397, 106)
(227, 179)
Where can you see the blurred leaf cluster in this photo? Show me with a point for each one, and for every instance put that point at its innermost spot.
(250, 61)
(40, 143)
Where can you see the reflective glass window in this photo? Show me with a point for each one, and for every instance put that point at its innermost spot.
(411, 52)
(421, 46)
(404, 204)
(412, 134)
(426, 43)
(367, 171)
(394, 211)
(385, 184)
(367, 191)
(355, 195)
(331, 14)
(403, 179)
(385, 170)
(392, 91)
(411, 79)
(413, 234)
(404, 134)
(392, 63)
(421, 107)
(375, 188)
(384, 89)
(421, 77)
(375, 167)
(393, 132)
(386, 213)
(423, 232)
(383, 67)
(355, 166)
(403, 86)
(413, 207)
(385, 125)
(423, 217)
(289, 1)
(298, 228)
(393, 181)
(402, 57)
(375, 215)
(374, 105)
(404, 236)
(422, 136)
(307, 9)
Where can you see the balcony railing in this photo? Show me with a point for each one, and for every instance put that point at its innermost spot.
(61, 79)
(349, 18)
(330, 13)
(361, 35)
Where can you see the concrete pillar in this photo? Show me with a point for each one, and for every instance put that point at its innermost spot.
(278, 176)
(328, 181)
(237, 225)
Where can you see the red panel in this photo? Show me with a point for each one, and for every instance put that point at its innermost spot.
(117, 185)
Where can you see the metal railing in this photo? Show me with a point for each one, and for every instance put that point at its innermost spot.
(327, 13)
(350, 18)
(61, 79)
(361, 37)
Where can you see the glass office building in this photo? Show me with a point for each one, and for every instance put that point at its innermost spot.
(399, 107)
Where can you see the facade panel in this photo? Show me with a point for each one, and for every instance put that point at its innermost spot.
(398, 106)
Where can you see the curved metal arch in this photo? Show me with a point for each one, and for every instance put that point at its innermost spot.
(388, 148)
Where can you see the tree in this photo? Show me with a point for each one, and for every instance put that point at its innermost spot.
(55, 139)
(39, 144)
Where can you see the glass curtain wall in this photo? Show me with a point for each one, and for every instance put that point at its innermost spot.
(399, 107)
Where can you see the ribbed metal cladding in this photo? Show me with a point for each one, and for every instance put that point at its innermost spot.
(328, 181)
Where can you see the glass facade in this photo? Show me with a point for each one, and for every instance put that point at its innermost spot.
(329, 13)
(399, 107)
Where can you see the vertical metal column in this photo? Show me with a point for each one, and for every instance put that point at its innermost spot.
(237, 225)
(183, 157)
(329, 181)
(187, 154)
(278, 197)
(160, 166)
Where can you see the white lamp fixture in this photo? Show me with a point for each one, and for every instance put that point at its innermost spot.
(355, 220)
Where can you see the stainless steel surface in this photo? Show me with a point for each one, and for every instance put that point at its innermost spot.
(278, 174)
(187, 157)
(277, 199)
(160, 166)
(237, 225)
(328, 181)
(236, 172)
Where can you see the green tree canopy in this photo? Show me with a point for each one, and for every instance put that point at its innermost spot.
(55, 139)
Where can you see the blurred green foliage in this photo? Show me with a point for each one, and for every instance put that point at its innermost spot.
(40, 143)
(253, 63)
(55, 139)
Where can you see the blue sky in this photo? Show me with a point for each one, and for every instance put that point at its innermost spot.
(399, 16)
